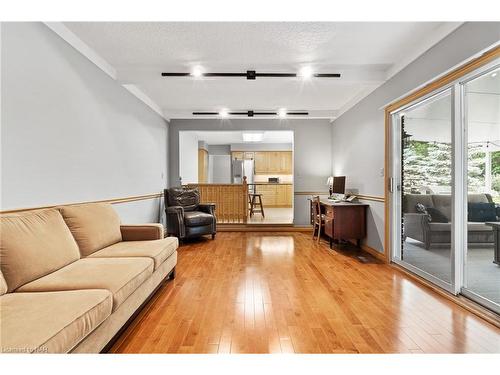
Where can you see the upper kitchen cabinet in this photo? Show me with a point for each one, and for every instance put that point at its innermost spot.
(273, 162)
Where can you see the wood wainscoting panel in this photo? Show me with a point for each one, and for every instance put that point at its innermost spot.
(283, 292)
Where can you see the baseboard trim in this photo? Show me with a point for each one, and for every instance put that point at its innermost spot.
(375, 253)
(262, 228)
(462, 301)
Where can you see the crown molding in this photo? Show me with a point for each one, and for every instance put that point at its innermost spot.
(73, 40)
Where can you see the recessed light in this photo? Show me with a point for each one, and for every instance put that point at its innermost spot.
(306, 72)
(494, 74)
(223, 113)
(197, 72)
(282, 112)
(253, 137)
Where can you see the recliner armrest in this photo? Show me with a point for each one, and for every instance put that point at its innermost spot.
(142, 232)
(208, 208)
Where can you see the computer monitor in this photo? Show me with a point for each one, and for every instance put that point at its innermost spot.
(338, 186)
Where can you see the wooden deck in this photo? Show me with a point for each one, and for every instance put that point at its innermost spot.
(281, 292)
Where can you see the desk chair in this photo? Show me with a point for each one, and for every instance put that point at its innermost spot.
(318, 217)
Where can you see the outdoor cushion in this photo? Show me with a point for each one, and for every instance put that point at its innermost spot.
(443, 203)
(50, 322)
(94, 225)
(34, 244)
(482, 212)
(197, 218)
(121, 276)
(158, 250)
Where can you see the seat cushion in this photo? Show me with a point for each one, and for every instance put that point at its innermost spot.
(94, 225)
(50, 322)
(481, 212)
(121, 276)
(478, 227)
(34, 244)
(197, 218)
(158, 250)
(3, 284)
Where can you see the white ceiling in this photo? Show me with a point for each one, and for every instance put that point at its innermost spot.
(232, 137)
(366, 54)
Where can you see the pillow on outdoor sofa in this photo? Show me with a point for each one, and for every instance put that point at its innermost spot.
(482, 212)
(435, 216)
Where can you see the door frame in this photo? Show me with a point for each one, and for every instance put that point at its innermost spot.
(429, 88)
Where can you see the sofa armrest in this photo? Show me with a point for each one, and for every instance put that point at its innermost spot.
(175, 220)
(142, 232)
(416, 226)
(208, 208)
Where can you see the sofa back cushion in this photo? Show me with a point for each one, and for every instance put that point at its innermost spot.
(94, 225)
(410, 202)
(481, 212)
(443, 203)
(34, 244)
(3, 284)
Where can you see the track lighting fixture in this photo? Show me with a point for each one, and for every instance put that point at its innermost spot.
(305, 73)
(282, 113)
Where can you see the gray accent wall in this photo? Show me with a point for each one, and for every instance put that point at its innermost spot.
(312, 151)
(358, 135)
(70, 133)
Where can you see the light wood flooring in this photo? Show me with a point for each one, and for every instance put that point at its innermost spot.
(251, 292)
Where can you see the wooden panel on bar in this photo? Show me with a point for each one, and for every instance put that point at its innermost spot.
(231, 201)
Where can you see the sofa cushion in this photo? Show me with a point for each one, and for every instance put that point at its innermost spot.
(478, 227)
(410, 202)
(197, 218)
(3, 284)
(50, 322)
(94, 225)
(443, 203)
(481, 212)
(121, 276)
(158, 250)
(440, 227)
(34, 244)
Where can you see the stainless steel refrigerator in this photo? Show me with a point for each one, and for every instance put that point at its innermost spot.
(242, 168)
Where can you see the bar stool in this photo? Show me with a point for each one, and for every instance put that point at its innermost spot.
(253, 204)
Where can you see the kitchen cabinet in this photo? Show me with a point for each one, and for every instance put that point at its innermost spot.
(273, 162)
(275, 195)
(242, 155)
(202, 166)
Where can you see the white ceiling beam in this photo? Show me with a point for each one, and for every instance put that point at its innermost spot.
(72, 39)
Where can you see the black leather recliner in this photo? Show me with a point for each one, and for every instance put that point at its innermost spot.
(186, 216)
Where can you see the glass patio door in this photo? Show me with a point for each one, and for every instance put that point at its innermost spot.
(423, 188)
(445, 186)
(481, 268)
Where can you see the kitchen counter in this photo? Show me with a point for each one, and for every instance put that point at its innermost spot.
(271, 183)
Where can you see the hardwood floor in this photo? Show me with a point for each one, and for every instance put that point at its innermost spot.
(281, 292)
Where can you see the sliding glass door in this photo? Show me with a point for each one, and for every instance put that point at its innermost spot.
(425, 187)
(445, 186)
(481, 279)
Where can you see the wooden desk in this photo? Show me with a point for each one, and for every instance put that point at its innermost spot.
(344, 220)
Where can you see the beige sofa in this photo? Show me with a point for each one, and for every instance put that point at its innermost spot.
(71, 277)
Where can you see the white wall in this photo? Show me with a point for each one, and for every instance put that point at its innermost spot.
(358, 135)
(188, 157)
(312, 151)
(69, 132)
(219, 169)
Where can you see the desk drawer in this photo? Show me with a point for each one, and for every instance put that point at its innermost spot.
(330, 212)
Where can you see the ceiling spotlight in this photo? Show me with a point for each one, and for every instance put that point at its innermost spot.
(197, 72)
(306, 72)
(494, 75)
(282, 112)
(223, 113)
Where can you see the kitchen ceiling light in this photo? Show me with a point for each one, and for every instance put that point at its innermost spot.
(282, 113)
(253, 137)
